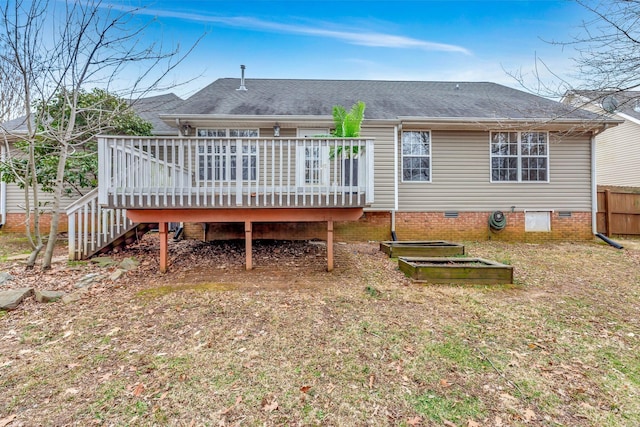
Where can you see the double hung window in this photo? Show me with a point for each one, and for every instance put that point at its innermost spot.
(312, 159)
(416, 156)
(218, 160)
(519, 156)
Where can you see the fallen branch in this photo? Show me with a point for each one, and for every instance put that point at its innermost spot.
(500, 373)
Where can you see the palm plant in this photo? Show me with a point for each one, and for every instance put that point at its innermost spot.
(347, 125)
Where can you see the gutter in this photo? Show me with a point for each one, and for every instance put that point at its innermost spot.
(629, 118)
(483, 123)
(170, 118)
(267, 120)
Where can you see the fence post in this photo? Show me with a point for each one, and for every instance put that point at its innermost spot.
(607, 212)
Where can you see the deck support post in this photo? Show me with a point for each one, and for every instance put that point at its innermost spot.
(329, 245)
(163, 228)
(248, 243)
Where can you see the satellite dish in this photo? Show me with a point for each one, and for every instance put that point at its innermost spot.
(610, 104)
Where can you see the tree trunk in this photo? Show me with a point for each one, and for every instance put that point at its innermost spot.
(55, 211)
(31, 184)
(33, 256)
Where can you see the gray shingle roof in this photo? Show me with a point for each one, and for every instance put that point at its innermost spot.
(16, 125)
(384, 99)
(149, 108)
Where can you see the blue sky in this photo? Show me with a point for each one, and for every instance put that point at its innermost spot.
(386, 40)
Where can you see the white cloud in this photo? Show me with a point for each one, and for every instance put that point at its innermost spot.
(362, 38)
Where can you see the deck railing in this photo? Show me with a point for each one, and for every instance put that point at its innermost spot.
(154, 173)
(91, 226)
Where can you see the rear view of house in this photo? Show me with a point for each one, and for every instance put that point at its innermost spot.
(435, 160)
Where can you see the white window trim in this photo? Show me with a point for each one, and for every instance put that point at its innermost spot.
(227, 156)
(227, 132)
(226, 159)
(323, 168)
(308, 133)
(430, 157)
(519, 157)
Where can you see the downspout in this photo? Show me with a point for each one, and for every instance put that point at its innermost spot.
(395, 182)
(3, 202)
(594, 187)
(3, 194)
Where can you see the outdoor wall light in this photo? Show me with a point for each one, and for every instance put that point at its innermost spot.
(276, 129)
(186, 129)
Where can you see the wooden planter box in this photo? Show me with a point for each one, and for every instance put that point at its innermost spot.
(424, 248)
(456, 270)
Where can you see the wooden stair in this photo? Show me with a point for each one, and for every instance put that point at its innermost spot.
(132, 235)
(94, 229)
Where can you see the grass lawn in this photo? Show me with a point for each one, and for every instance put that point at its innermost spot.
(209, 344)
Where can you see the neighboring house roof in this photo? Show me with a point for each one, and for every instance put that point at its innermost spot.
(16, 125)
(148, 108)
(625, 103)
(384, 100)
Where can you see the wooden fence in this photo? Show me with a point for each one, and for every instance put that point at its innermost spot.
(618, 213)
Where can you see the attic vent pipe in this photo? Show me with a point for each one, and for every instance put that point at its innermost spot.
(242, 87)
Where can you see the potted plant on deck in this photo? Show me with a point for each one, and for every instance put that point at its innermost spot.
(347, 125)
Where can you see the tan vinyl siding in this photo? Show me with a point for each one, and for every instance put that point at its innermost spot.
(383, 167)
(16, 204)
(15, 199)
(284, 133)
(618, 155)
(15, 196)
(461, 178)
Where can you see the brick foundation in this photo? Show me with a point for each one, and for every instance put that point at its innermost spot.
(15, 223)
(409, 226)
(474, 226)
(376, 226)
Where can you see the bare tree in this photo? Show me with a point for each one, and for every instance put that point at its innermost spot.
(61, 49)
(608, 47)
(606, 55)
(11, 105)
(22, 44)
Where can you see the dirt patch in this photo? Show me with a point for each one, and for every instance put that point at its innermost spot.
(627, 243)
(289, 344)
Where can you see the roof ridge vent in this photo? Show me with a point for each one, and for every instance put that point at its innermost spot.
(242, 86)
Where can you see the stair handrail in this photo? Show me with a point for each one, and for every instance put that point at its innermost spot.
(77, 204)
(92, 227)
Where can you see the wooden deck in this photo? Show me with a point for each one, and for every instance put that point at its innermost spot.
(157, 173)
(241, 180)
